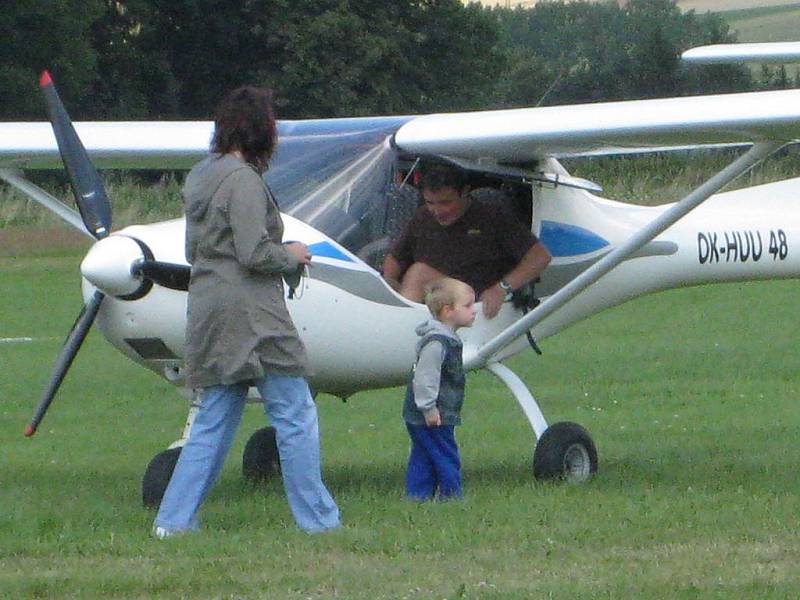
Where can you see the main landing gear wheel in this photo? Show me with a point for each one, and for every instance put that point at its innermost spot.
(565, 451)
(261, 460)
(157, 476)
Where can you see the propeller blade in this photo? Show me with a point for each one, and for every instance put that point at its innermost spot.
(169, 275)
(90, 195)
(71, 346)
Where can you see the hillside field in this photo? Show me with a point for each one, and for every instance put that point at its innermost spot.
(753, 20)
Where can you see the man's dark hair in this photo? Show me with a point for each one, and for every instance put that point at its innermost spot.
(245, 122)
(438, 176)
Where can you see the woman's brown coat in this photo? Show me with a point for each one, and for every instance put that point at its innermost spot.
(237, 326)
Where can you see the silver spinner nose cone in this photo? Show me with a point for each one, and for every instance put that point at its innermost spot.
(109, 264)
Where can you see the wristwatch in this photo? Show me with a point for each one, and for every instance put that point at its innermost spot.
(505, 286)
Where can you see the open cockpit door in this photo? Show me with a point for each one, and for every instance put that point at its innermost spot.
(510, 186)
(513, 187)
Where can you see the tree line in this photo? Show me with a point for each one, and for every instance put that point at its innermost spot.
(173, 59)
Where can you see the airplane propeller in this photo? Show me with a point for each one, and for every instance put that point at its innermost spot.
(71, 346)
(118, 265)
(90, 195)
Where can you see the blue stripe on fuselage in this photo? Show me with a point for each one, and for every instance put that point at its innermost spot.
(328, 250)
(569, 240)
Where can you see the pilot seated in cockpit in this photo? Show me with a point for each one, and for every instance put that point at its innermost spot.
(456, 235)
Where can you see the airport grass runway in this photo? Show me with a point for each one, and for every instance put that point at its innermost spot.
(691, 396)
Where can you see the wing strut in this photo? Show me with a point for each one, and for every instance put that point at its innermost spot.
(67, 214)
(669, 217)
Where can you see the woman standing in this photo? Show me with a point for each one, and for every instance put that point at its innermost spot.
(238, 331)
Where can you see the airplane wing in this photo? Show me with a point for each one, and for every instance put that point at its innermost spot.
(164, 145)
(112, 144)
(520, 135)
(506, 136)
(779, 52)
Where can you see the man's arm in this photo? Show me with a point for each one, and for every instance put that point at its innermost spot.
(392, 271)
(529, 268)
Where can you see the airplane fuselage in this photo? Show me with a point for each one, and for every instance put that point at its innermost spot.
(359, 333)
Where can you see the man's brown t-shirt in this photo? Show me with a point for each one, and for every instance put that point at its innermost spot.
(480, 248)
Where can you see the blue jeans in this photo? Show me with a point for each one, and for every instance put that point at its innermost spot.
(434, 463)
(291, 410)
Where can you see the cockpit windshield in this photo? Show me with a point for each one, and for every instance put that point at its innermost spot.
(333, 175)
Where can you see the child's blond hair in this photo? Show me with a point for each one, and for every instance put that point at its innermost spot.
(444, 292)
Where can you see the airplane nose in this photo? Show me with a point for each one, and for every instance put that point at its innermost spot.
(108, 265)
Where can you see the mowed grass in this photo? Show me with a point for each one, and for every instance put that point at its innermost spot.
(690, 395)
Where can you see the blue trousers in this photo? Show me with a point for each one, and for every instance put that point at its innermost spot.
(434, 463)
(291, 410)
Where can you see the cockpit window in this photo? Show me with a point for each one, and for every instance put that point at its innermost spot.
(345, 178)
(334, 175)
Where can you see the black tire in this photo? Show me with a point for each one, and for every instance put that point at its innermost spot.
(157, 476)
(566, 452)
(261, 460)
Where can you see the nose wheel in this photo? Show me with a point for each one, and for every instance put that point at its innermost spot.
(157, 476)
(260, 460)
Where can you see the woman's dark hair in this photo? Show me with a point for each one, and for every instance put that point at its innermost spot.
(245, 122)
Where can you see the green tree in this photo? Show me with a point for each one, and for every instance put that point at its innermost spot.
(587, 52)
(453, 53)
(324, 58)
(51, 35)
(135, 77)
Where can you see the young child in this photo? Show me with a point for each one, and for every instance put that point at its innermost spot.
(434, 396)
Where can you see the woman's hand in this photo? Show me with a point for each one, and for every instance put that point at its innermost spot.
(299, 251)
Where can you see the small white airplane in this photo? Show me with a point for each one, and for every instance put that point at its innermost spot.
(345, 187)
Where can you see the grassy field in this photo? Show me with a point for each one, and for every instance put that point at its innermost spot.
(691, 397)
(753, 20)
(765, 23)
(139, 199)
